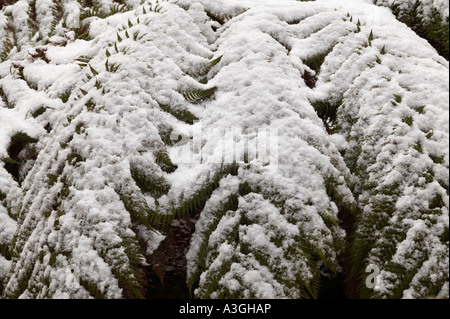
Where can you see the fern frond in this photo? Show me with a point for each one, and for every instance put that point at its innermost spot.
(198, 95)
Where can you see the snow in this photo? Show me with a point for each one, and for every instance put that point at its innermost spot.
(18, 12)
(63, 73)
(7, 229)
(3, 33)
(73, 50)
(44, 16)
(152, 239)
(5, 266)
(113, 100)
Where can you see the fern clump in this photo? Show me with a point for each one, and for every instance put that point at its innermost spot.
(252, 239)
(239, 149)
(401, 191)
(94, 220)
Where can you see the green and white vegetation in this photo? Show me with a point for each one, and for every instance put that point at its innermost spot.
(428, 18)
(97, 95)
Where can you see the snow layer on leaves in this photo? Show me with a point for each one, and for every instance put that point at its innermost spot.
(425, 6)
(426, 17)
(280, 223)
(397, 132)
(44, 17)
(3, 32)
(83, 209)
(5, 266)
(42, 21)
(104, 112)
(8, 227)
(19, 14)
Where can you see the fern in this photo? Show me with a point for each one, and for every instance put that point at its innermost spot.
(88, 187)
(204, 70)
(315, 62)
(118, 8)
(198, 95)
(432, 27)
(180, 113)
(8, 45)
(327, 112)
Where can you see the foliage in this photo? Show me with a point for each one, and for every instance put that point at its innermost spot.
(97, 98)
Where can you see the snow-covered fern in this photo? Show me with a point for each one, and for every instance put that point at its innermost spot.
(394, 115)
(120, 121)
(428, 18)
